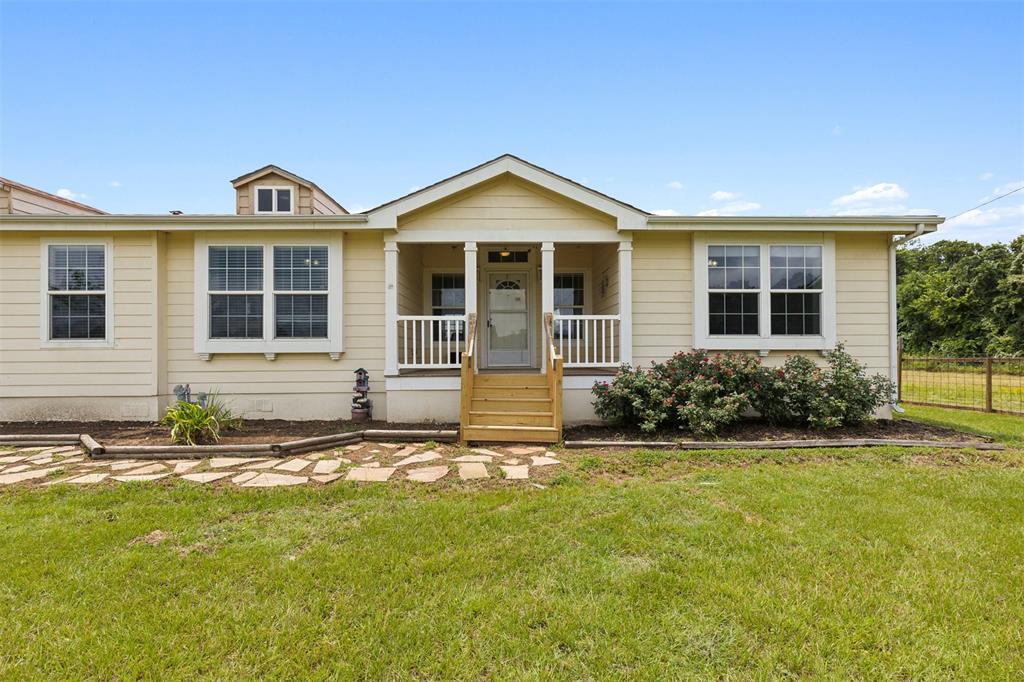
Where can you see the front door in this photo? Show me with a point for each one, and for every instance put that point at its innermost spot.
(508, 319)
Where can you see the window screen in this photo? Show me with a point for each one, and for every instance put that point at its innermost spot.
(76, 288)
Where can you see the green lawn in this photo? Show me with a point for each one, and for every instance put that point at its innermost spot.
(866, 563)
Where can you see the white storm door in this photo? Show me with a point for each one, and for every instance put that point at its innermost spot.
(508, 319)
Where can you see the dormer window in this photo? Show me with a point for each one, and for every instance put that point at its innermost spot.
(274, 200)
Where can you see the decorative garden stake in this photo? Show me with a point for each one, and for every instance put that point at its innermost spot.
(362, 406)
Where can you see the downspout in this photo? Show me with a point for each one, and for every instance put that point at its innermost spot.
(893, 360)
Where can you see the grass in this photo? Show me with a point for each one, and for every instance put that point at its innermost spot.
(966, 388)
(1004, 428)
(863, 563)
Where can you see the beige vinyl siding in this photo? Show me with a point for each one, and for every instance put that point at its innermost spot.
(662, 295)
(23, 202)
(606, 265)
(246, 378)
(27, 369)
(410, 280)
(862, 298)
(5, 200)
(324, 205)
(245, 195)
(509, 204)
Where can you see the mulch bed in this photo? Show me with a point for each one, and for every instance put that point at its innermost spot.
(252, 431)
(902, 429)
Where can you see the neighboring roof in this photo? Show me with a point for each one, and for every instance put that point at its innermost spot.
(629, 216)
(6, 183)
(271, 168)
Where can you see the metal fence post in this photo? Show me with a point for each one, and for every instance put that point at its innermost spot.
(899, 370)
(988, 384)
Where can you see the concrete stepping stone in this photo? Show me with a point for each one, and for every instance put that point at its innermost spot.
(544, 461)
(512, 460)
(294, 465)
(128, 478)
(405, 452)
(390, 446)
(72, 460)
(156, 467)
(122, 465)
(427, 474)
(367, 459)
(516, 473)
(64, 448)
(40, 460)
(88, 478)
(224, 462)
(370, 474)
(525, 451)
(418, 459)
(471, 470)
(473, 458)
(353, 448)
(327, 466)
(344, 460)
(269, 464)
(326, 478)
(184, 467)
(207, 476)
(31, 448)
(6, 479)
(269, 480)
(485, 451)
(371, 465)
(11, 459)
(18, 468)
(245, 476)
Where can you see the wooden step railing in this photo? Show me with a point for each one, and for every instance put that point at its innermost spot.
(554, 373)
(588, 340)
(467, 372)
(431, 341)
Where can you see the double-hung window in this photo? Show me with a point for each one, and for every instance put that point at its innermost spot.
(757, 294)
(236, 292)
(274, 200)
(300, 292)
(447, 297)
(268, 296)
(569, 300)
(77, 292)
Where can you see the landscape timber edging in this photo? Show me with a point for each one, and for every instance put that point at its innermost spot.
(97, 450)
(781, 444)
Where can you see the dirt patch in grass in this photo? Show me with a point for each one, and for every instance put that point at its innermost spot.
(252, 431)
(752, 430)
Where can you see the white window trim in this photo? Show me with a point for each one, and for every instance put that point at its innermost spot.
(270, 346)
(764, 341)
(276, 188)
(587, 283)
(44, 293)
(428, 288)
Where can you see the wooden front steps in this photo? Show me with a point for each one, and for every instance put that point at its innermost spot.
(510, 407)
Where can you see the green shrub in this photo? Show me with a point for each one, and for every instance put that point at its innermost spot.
(803, 394)
(704, 394)
(690, 390)
(195, 424)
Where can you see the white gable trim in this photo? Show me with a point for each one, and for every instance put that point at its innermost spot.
(386, 216)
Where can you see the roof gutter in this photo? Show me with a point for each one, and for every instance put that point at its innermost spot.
(893, 359)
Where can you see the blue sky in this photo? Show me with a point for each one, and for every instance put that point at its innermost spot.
(750, 109)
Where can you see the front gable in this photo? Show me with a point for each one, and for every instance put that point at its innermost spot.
(508, 176)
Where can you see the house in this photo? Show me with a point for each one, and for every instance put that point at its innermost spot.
(495, 298)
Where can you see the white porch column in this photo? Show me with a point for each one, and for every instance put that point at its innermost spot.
(470, 273)
(390, 308)
(547, 295)
(547, 277)
(626, 301)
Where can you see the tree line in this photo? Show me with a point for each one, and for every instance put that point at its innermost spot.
(961, 299)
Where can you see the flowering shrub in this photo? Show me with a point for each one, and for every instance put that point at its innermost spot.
(691, 390)
(841, 393)
(703, 393)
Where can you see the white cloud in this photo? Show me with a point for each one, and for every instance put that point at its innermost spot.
(1008, 187)
(732, 208)
(837, 131)
(68, 194)
(356, 208)
(722, 195)
(415, 188)
(115, 183)
(985, 176)
(985, 225)
(666, 211)
(675, 184)
(866, 197)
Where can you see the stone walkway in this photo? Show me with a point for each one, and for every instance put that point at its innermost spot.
(364, 462)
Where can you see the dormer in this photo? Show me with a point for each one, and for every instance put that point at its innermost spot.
(274, 191)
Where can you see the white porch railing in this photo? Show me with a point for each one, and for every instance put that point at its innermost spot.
(588, 340)
(431, 341)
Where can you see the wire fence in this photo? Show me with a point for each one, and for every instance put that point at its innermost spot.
(984, 384)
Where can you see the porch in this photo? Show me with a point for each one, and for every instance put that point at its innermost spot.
(508, 319)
